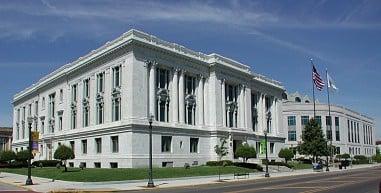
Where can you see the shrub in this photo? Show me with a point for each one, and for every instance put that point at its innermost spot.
(360, 159)
(246, 152)
(64, 153)
(249, 165)
(274, 163)
(7, 156)
(345, 156)
(46, 163)
(287, 154)
(23, 156)
(303, 160)
(18, 164)
(219, 163)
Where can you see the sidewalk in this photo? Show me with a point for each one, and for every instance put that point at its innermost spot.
(46, 185)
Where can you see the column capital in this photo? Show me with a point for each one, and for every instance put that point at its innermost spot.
(176, 70)
(200, 76)
(222, 80)
(150, 63)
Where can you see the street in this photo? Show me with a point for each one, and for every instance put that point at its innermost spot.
(11, 188)
(354, 181)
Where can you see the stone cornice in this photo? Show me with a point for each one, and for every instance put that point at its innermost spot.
(135, 35)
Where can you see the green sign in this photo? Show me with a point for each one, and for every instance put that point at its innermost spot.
(263, 147)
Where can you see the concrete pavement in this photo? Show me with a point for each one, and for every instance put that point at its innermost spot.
(46, 185)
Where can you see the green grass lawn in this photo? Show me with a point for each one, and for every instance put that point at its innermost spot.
(98, 175)
(299, 166)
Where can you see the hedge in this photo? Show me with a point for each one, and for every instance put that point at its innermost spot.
(248, 165)
(219, 163)
(46, 163)
(274, 163)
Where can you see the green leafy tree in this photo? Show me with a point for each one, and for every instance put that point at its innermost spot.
(286, 154)
(314, 142)
(221, 149)
(23, 156)
(246, 152)
(64, 153)
(7, 156)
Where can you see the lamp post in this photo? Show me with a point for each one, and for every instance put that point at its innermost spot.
(327, 168)
(29, 179)
(150, 180)
(265, 132)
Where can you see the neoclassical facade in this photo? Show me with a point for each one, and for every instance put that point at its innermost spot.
(349, 131)
(99, 106)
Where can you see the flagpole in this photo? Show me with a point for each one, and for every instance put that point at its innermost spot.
(313, 90)
(329, 112)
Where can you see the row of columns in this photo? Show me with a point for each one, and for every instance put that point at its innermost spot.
(177, 101)
(245, 113)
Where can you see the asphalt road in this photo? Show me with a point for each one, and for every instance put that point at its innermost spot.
(10, 189)
(354, 181)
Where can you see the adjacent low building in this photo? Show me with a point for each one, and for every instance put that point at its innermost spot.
(349, 131)
(5, 138)
(99, 105)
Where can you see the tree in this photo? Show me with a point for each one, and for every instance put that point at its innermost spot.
(64, 153)
(314, 143)
(246, 152)
(287, 154)
(7, 156)
(221, 150)
(345, 156)
(23, 156)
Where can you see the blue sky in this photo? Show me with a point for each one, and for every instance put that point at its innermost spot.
(276, 38)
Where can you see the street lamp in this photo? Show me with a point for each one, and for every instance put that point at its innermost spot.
(150, 180)
(265, 132)
(327, 168)
(29, 179)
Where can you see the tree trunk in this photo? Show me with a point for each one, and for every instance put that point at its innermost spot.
(65, 166)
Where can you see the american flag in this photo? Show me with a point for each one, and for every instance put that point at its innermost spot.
(319, 83)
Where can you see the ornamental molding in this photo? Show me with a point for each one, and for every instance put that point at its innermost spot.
(99, 97)
(115, 93)
(231, 106)
(85, 101)
(190, 100)
(163, 95)
(133, 36)
(73, 105)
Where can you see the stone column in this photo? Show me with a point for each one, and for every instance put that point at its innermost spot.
(200, 98)
(175, 96)
(152, 87)
(248, 113)
(223, 103)
(181, 97)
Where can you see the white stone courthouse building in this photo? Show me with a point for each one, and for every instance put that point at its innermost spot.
(350, 132)
(99, 105)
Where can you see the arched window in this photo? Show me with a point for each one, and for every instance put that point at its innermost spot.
(307, 101)
(297, 99)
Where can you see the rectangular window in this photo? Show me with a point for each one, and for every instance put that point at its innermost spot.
(337, 150)
(97, 164)
(43, 103)
(349, 131)
(291, 122)
(231, 98)
(30, 110)
(98, 145)
(194, 145)
(86, 88)
(116, 113)
(358, 133)
(318, 120)
(352, 139)
(254, 111)
(100, 82)
(337, 128)
(113, 164)
(60, 123)
(190, 105)
(328, 123)
(42, 127)
(86, 116)
(36, 108)
(100, 113)
(84, 146)
(74, 93)
(52, 105)
(166, 143)
(115, 144)
(61, 95)
(116, 77)
(162, 103)
(72, 145)
(73, 119)
(271, 148)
